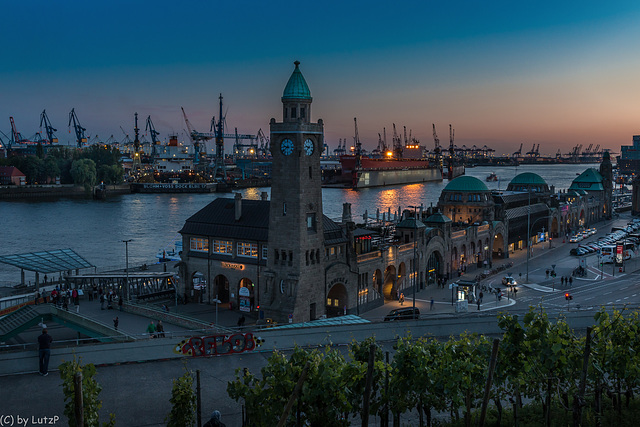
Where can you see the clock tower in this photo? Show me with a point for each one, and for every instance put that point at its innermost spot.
(294, 286)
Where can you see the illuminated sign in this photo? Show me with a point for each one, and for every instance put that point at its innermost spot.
(232, 265)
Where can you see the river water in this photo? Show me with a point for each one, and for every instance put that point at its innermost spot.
(96, 229)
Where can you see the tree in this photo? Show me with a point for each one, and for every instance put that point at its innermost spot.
(183, 402)
(90, 390)
(83, 172)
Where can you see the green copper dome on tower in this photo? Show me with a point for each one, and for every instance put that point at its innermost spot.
(296, 87)
(466, 184)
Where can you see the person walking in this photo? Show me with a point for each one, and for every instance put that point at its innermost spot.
(570, 281)
(116, 321)
(151, 330)
(214, 421)
(160, 329)
(431, 304)
(44, 351)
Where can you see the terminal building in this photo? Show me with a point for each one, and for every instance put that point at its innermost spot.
(283, 259)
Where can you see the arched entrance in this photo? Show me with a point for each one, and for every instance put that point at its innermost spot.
(220, 288)
(337, 300)
(498, 246)
(554, 227)
(246, 296)
(434, 267)
(581, 222)
(389, 287)
(454, 259)
(378, 281)
(199, 283)
(472, 253)
(463, 255)
(402, 274)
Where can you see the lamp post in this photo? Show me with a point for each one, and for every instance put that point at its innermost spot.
(528, 230)
(217, 301)
(415, 262)
(126, 287)
(529, 227)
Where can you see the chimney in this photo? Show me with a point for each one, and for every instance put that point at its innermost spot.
(264, 196)
(238, 203)
(346, 213)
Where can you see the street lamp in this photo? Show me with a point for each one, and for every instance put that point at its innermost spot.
(217, 301)
(126, 287)
(415, 261)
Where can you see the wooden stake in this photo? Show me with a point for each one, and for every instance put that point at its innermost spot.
(487, 388)
(294, 395)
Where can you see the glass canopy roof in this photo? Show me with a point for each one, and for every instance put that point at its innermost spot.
(47, 261)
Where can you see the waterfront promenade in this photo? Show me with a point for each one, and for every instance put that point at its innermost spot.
(138, 393)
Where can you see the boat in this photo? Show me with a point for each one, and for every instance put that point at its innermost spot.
(170, 252)
(492, 177)
(364, 171)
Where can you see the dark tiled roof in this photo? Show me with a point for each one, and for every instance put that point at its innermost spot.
(410, 223)
(217, 219)
(438, 218)
(333, 233)
(521, 212)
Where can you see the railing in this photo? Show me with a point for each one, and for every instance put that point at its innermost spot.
(369, 256)
(406, 247)
(458, 234)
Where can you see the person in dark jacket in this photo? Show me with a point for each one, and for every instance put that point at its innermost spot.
(44, 351)
(215, 420)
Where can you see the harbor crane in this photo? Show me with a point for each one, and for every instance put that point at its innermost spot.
(16, 137)
(397, 143)
(49, 130)
(5, 142)
(436, 140)
(154, 136)
(79, 130)
(264, 143)
(198, 139)
(519, 152)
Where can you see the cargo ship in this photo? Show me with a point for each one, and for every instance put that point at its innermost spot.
(404, 164)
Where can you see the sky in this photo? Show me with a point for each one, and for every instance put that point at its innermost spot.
(501, 73)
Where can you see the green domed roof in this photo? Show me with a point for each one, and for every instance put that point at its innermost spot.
(438, 218)
(466, 184)
(528, 178)
(296, 87)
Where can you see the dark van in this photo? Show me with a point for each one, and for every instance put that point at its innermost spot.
(403, 314)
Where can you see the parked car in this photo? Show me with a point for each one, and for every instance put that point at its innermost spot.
(403, 314)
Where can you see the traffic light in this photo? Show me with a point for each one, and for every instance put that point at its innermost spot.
(568, 296)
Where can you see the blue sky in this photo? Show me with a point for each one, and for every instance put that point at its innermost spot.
(503, 73)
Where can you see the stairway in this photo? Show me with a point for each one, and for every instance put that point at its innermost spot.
(22, 319)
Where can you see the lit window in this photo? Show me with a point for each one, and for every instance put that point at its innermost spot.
(199, 244)
(223, 247)
(248, 249)
(265, 251)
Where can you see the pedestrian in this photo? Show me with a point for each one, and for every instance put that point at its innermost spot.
(431, 304)
(74, 296)
(116, 321)
(562, 279)
(101, 301)
(478, 302)
(481, 296)
(160, 329)
(241, 321)
(570, 281)
(44, 351)
(214, 421)
(401, 299)
(151, 329)
(36, 297)
(547, 273)
(77, 303)
(120, 302)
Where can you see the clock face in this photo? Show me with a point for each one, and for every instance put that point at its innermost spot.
(308, 147)
(286, 146)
